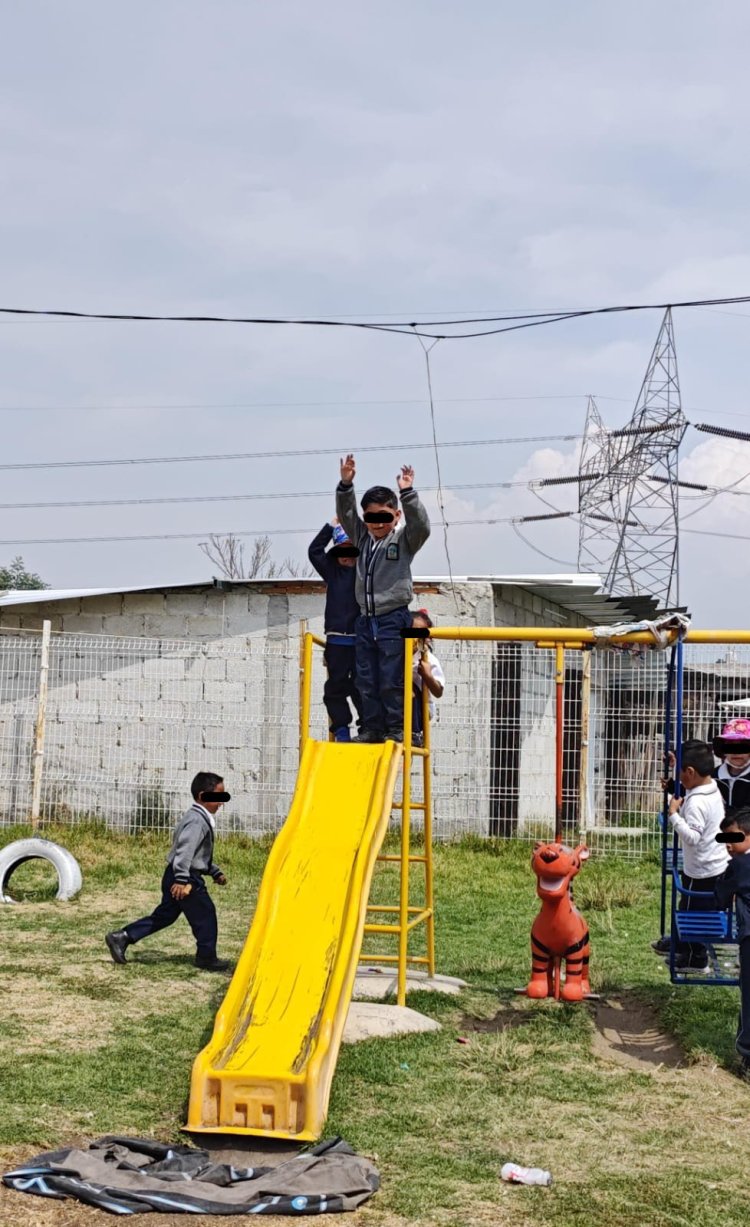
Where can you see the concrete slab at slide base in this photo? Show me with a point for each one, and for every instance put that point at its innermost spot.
(371, 1020)
(372, 982)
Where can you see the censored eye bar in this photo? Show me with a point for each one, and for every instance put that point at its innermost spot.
(730, 837)
(379, 517)
(215, 796)
(344, 551)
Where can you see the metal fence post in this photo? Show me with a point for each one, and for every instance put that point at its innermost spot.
(41, 716)
(583, 772)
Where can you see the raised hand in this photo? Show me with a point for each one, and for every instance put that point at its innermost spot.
(348, 469)
(405, 478)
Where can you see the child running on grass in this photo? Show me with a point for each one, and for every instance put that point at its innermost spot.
(384, 590)
(183, 890)
(735, 833)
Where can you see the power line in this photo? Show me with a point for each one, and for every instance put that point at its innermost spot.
(305, 451)
(249, 532)
(509, 322)
(234, 498)
(302, 532)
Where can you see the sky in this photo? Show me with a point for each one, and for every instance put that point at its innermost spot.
(375, 162)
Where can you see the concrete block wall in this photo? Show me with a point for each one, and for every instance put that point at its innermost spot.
(127, 721)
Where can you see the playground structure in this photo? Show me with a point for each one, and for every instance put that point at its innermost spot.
(716, 930)
(268, 1067)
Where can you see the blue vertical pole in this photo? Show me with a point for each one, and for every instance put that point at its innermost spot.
(665, 796)
(677, 785)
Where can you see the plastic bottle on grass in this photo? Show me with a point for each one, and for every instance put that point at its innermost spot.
(515, 1174)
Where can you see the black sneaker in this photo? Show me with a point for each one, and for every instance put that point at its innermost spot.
(396, 735)
(117, 944)
(743, 1069)
(663, 946)
(683, 962)
(212, 964)
(370, 739)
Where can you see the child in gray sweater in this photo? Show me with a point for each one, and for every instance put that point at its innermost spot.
(383, 589)
(183, 889)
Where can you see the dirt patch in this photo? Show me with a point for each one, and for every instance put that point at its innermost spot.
(628, 1032)
(504, 1020)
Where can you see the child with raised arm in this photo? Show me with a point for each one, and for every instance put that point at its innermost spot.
(336, 567)
(384, 590)
(735, 833)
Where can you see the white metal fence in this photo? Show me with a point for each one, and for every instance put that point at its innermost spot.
(127, 723)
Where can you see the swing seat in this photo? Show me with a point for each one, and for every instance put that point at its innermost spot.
(705, 927)
(714, 930)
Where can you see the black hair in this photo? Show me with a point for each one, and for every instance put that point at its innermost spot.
(423, 614)
(380, 495)
(739, 819)
(205, 781)
(699, 756)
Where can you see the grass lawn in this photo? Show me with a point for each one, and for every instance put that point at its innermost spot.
(87, 1048)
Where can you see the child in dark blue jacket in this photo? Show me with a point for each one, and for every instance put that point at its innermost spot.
(337, 567)
(735, 832)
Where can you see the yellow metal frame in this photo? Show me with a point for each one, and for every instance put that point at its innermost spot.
(410, 916)
(407, 915)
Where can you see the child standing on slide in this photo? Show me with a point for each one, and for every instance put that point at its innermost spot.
(336, 566)
(384, 590)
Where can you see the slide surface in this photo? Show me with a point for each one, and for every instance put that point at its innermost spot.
(269, 1064)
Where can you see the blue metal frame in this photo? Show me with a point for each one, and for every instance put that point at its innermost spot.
(711, 929)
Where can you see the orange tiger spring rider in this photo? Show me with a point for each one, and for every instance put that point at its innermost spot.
(559, 931)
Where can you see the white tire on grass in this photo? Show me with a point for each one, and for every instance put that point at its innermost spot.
(67, 867)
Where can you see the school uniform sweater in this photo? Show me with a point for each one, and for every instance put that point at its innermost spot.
(735, 789)
(383, 580)
(696, 824)
(192, 851)
(736, 882)
(341, 610)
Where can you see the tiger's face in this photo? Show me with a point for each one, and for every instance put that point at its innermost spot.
(555, 866)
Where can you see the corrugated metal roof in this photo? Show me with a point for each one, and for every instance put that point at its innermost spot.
(578, 593)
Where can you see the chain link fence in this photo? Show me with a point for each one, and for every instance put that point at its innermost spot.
(126, 723)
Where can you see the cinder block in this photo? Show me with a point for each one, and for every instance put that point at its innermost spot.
(143, 602)
(181, 691)
(111, 603)
(165, 626)
(204, 626)
(207, 668)
(182, 603)
(126, 624)
(224, 692)
(162, 668)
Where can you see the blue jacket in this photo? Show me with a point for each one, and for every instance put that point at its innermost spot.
(736, 881)
(342, 609)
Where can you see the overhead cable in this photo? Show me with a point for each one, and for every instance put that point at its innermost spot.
(508, 322)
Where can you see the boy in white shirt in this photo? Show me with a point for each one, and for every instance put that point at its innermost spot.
(696, 819)
(427, 672)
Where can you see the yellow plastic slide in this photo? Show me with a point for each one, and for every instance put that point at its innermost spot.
(269, 1064)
